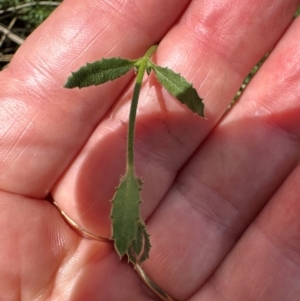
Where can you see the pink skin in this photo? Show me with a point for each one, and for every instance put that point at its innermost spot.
(221, 196)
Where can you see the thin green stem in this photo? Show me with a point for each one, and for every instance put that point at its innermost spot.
(132, 114)
(142, 66)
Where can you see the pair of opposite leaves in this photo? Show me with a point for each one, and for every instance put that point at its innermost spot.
(129, 232)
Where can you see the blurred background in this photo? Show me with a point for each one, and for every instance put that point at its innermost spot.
(18, 18)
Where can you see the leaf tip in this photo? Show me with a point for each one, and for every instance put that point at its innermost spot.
(70, 84)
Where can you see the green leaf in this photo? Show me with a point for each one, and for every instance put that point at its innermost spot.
(146, 244)
(125, 212)
(180, 88)
(140, 247)
(99, 72)
(137, 243)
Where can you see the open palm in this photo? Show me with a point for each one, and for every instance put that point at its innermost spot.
(221, 196)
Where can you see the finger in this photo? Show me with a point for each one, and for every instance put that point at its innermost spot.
(35, 241)
(42, 258)
(44, 125)
(230, 179)
(167, 133)
(265, 265)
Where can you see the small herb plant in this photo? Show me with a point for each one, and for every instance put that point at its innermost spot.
(128, 229)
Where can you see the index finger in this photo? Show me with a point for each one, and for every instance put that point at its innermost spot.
(43, 125)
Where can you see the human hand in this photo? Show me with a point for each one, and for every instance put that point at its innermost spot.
(221, 198)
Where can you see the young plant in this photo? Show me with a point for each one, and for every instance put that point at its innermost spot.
(128, 229)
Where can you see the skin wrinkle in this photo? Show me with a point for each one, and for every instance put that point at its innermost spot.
(195, 75)
(38, 148)
(27, 146)
(94, 39)
(188, 70)
(87, 208)
(282, 128)
(64, 260)
(73, 39)
(267, 131)
(156, 158)
(290, 255)
(209, 75)
(37, 95)
(19, 273)
(10, 108)
(261, 295)
(142, 150)
(253, 289)
(48, 287)
(77, 25)
(58, 241)
(91, 204)
(19, 154)
(220, 293)
(206, 211)
(112, 8)
(290, 137)
(171, 270)
(47, 69)
(163, 159)
(184, 275)
(113, 50)
(141, 26)
(278, 251)
(265, 110)
(205, 77)
(6, 135)
(193, 24)
(67, 284)
(192, 28)
(60, 254)
(212, 87)
(15, 144)
(39, 78)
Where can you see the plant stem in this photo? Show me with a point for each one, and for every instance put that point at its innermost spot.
(142, 66)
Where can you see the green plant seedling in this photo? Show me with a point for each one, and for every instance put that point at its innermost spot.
(128, 228)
